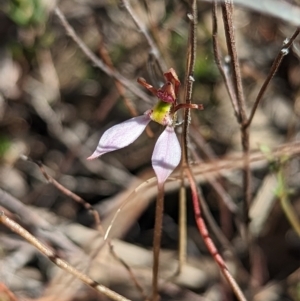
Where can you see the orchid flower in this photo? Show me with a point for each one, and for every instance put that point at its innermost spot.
(167, 151)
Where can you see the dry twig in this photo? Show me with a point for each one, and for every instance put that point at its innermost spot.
(53, 256)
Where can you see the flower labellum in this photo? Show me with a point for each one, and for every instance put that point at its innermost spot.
(166, 155)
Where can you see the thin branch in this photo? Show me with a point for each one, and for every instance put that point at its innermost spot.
(142, 28)
(128, 103)
(96, 61)
(38, 224)
(97, 220)
(129, 270)
(107, 60)
(283, 51)
(222, 68)
(188, 89)
(227, 10)
(189, 78)
(68, 137)
(215, 183)
(69, 194)
(257, 158)
(53, 256)
(288, 11)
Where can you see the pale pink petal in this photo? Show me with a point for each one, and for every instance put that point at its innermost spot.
(121, 135)
(166, 155)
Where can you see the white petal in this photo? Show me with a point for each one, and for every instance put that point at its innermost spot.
(166, 155)
(121, 135)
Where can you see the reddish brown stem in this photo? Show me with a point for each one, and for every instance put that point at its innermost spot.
(207, 239)
(157, 240)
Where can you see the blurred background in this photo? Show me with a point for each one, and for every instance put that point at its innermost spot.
(54, 106)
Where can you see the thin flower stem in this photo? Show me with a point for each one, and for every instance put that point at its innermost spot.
(222, 68)
(188, 85)
(157, 240)
(274, 68)
(182, 228)
(207, 239)
(96, 61)
(189, 78)
(245, 133)
(53, 256)
(227, 11)
(154, 49)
